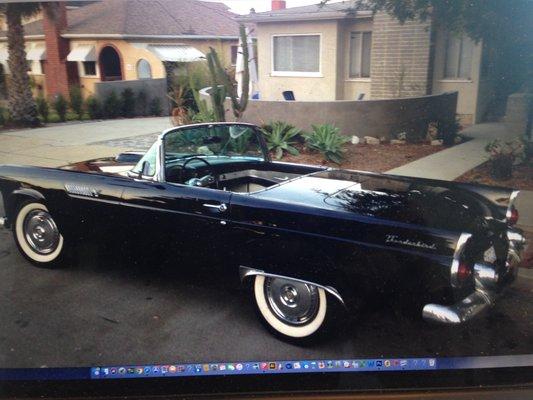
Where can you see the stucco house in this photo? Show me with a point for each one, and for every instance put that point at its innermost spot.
(339, 52)
(122, 40)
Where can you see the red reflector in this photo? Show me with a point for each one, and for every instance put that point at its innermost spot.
(464, 271)
(513, 217)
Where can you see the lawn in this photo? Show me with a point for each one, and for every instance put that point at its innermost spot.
(375, 158)
(522, 176)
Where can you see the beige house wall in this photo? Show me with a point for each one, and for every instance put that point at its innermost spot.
(130, 53)
(352, 87)
(323, 87)
(468, 88)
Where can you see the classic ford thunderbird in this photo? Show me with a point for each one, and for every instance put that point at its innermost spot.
(305, 238)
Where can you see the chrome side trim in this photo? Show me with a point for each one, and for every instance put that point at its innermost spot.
(512, 199)
(245, 272)
(3, 222)
(459, 248)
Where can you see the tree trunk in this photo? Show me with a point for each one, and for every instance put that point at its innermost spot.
(21, 104)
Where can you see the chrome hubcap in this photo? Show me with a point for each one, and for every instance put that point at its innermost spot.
(294, 303)
(41, 232)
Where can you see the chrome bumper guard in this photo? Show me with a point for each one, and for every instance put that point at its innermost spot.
(3, 222)
(486, 279)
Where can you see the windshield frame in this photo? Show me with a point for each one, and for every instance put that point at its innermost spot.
(160, 168)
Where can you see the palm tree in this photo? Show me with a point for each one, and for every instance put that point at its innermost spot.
(21, 104)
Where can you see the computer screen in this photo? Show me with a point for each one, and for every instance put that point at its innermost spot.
(295, 194)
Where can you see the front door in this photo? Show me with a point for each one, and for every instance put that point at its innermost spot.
(179, 218)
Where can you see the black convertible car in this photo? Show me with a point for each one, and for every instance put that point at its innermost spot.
(304, 237)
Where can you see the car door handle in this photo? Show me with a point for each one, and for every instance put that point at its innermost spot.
(220, 207)
(279, 178)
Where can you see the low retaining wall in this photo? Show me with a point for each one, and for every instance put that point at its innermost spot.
(378, 118)
(152, 88)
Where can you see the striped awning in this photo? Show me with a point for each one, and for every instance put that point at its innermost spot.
(176, 53)
(37, 53)
(82, 53)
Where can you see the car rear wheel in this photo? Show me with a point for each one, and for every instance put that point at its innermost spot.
(293, 310)
(37, 236)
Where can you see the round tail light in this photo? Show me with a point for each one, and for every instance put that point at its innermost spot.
(464, 272)
(512, 217)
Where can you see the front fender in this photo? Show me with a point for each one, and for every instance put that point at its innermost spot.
(13, 198)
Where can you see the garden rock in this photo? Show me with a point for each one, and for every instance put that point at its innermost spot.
(437, 142)
(397, 141)
(356, 140)
(371, 140)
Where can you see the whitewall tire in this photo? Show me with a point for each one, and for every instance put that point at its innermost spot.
(292, 309)
(37, 235)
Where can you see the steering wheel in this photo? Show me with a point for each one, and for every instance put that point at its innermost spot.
(205, 180)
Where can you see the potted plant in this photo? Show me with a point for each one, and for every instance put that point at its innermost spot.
(503, 155)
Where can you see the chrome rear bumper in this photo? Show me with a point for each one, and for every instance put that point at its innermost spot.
(486, 279)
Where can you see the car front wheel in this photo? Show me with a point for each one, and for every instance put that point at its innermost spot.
(37, 236)
(292, 309)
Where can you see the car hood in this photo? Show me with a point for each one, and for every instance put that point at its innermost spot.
(430, 203)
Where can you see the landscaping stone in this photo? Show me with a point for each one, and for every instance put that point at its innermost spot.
(355, 140)
(397, 141)
(437, 142)
(371, 140)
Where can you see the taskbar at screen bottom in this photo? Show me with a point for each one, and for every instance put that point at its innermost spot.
(266, 367)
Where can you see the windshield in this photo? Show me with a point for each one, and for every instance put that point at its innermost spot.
(210, 140)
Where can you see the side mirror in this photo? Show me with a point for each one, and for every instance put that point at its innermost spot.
(145, 169)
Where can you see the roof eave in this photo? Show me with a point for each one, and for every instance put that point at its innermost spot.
(133, 36)
(303, 17)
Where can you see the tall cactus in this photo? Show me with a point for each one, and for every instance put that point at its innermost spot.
(218, 92)
(224, 84)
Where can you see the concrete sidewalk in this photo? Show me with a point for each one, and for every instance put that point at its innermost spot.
(61, 144)
(451, 163)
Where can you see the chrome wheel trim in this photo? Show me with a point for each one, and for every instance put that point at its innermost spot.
(292, 302)
(41, 232)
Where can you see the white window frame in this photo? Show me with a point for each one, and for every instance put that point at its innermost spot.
(349, 66)
(296, 73)
(81, 70)
(457, 67)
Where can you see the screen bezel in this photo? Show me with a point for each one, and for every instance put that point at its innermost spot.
(327, 382)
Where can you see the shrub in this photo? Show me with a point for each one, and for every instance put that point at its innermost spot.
(503, 155)
(281, 137)
(327, 140)
(60, 106)
(201, 116)
(447, 131)
(42, 108)
(142, 102)
(128, 103)
(112, 105)
(2, 116)
(94, 108)
(155, 107)
(76, 101)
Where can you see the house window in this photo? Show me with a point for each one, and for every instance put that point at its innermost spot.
(34, 67)
(89, 68)
(459, 51)
(360, 45)
(296, 54)
(234, 52)
(144, 71)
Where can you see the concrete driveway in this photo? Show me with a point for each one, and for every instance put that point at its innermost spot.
(60, 144)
